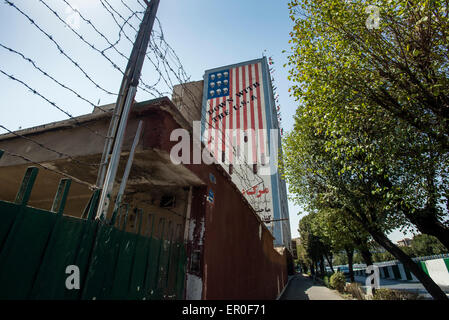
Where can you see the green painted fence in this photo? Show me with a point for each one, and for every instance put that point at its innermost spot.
(36, 246)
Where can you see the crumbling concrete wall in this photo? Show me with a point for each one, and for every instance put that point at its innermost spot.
(188, 99)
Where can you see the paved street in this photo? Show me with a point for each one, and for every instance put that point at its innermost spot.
(303, 288)
(412, 286)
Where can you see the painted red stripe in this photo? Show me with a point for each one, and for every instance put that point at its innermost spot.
(217, 128)
(261, 118)
(223, 127)
(231, 112)
(237, 103)
(209, 145)
(253, 121)
(244, 108)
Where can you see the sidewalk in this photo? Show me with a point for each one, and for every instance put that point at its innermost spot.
(303, 288)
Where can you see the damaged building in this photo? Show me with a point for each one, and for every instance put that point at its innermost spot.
(230, 251)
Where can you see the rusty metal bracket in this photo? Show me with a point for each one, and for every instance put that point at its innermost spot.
(24, 193)
(92, 205)
(61, 196)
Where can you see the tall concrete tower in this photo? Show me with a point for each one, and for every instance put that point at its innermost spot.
(240, 128)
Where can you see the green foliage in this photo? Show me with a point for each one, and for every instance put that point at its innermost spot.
(326, 281)
(371, 131)
(422, 245)
(425, 245)
(389, 294)
(370, 146)
(358, 258)
(355, 289)
(383, 256)
(340, 258)
(338, 281)
(315, 245)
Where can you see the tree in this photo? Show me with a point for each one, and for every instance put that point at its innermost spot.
(303, 258)
(371, 133)
(318, 178)
(314, 245)
(384, 85)
(425, 245)
(340, 258)
(342, 233)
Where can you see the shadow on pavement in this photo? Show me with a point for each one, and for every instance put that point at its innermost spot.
(296, 289)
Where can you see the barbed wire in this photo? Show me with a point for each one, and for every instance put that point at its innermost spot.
(111, 45)
(59, 48)
(61, 154)
(165, 61)
(91, 186)
(89, 22)
(147, 88)
(92, 46)
(49, 76)
(34, 91)
(180, 75)
(114, 12)
(138, 1)
(242, 174)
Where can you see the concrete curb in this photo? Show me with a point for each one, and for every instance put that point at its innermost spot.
(285, 287)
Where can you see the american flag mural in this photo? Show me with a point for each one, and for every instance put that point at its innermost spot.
(235, 114)
(238, 113)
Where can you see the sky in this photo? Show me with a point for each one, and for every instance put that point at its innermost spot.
(205, 34)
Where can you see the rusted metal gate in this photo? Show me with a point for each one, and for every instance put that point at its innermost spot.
(36, 247)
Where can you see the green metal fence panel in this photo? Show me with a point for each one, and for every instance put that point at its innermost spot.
(37, 246)
(61, 252)
(100, 274)
(180, 272)
(123, 268)
(446, 262)
(22, 251)
(8, 212)
(153, 268)
(423, 266)
(24, 193)
(137, 281)
(61, 196)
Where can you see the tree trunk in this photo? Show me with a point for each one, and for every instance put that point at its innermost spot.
(367, 256)
(426, 220)
(431, 287)
(312, 268)
(429, 224)
(329, 260)
(322, 270)
(350, 254)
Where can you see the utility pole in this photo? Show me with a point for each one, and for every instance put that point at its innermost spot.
(114, 140)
